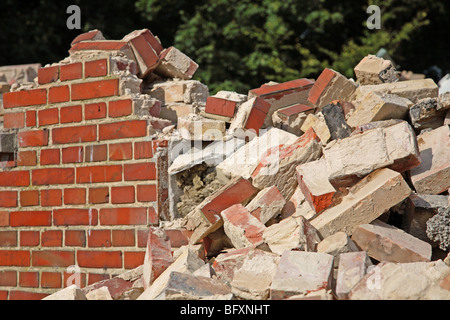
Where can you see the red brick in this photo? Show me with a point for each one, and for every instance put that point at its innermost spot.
(8, 199)
(120, 108)
(8, 238)
(30, 218)
(220, 106)
(139, 171)
(98, 195)
(51, 280)
(123, 216)
(71, 71)
(87, 36)
(142, 237)
(75, 238)
(95, 89)
(26, 158)
(34, 138)
(147, 57)
(99, 174)
(149, 37)
(53, 176)
(48, 74)
(257, 115)
(72, 277)
(279, 90)
(30, 118)
(97, 68)
(95, 153)
(29, 198)
(29, 238)
(178, 237)
(147, 193)
(52, 258)
(51, 238)
(123, 238)
(8, 278)
(95, 111)
(4, 295)
(96, 277)
(51, 198)
(14, 178)
(321, 83)
(48, 116)
(74, 134)
(72, 155)
(121, 195)
(124, 129)
(74, 196)
(99, 259)
(4, 218)
(120, 151)
(14, 120)
(29, 279)
(153, 217)
(71, 114)
(16, 258)
(75, 217)
(143, 150)
(58, 94)
(100, 45)
(133, 260)
(24, 98)
(49, 156)
(25, 295)
(99, 238)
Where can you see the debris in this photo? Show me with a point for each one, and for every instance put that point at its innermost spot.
(438, 228)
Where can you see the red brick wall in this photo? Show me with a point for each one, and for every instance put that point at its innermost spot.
(83, 187)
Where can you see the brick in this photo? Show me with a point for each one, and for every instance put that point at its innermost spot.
(123, 238)
(158, 255)
(132, 259)
(51, 238)
(95, 153)
(146, 193)
(351, 269)
(277, 165)
(14, 178)
(29, 198)
(149, 37)
(384, 187)
(29, 279)
(335, 120)
(143, 150)
(29, 238)
(96, 174)
(8, 199)
(432, 176)
(58, 94)
(153, 216)
(52, 258)
(75, 196)
(71, 71)
(313, 181)
(120, 195)
(195, 127)
(16, 258)
(48, 116)
(178, 237)
(53, 176)
(337, 244)
(4, 218)
(95, 277)
(301, 272)
(51, 280)
(25, 98)
(49, 156)
(48, 74)
(97, 68)
(120, 151)
(384, 242)
(374, 70)
(99, 259)
(24, 295)
(139, 171)
(120, 108)
(292, 233)
(14, 120)
(75, 217)
(8, 278)
(30, 118)
(243, 229)
(95, 111)
(30, 218)
(8, 238)
(72, 277)
(98, 195)
(34, 138)
(175, 64)
(291, 118)
(50, 198)
(26, 158)
(117, 287)
(99, 238)
(122, 130)
(251, 115)
(95, 89)
(425, 114)
(72, 155)
(71, 114)
(88, 36)
(221, 107)
(146, 56)
(75, 134)
(228, 262)
(123, 216)
(75, 238)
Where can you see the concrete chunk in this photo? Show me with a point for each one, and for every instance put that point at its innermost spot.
(425, 115)
(8, 142)
(335, 120)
